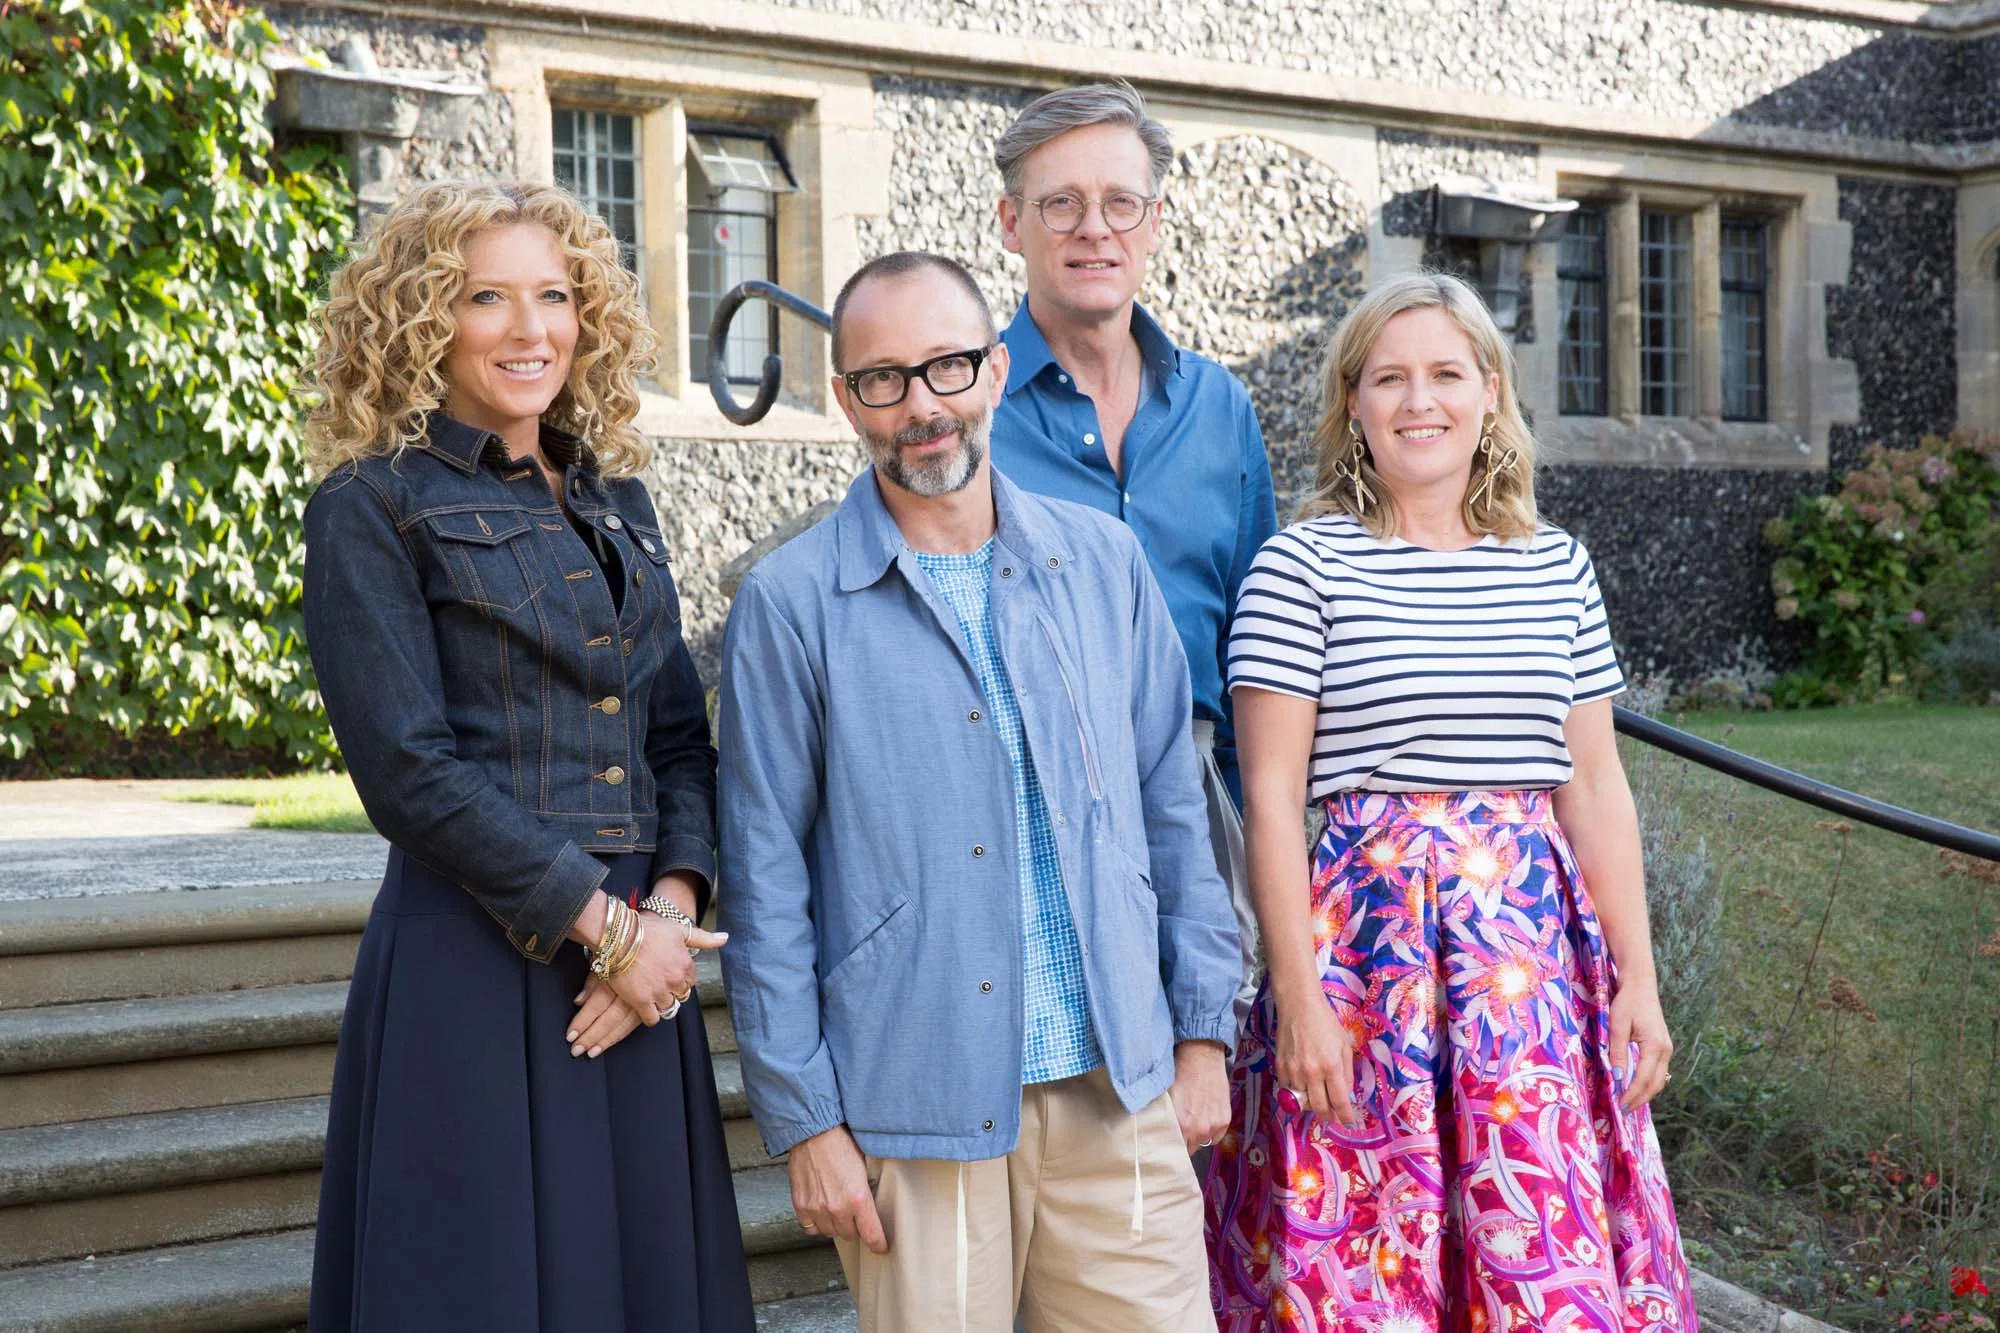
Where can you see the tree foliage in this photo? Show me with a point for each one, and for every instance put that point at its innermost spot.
(159, 258)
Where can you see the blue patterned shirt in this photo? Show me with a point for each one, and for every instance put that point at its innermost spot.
(1058, 1040)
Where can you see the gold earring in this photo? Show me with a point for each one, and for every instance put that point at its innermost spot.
(1350, 471)
(1484, 490)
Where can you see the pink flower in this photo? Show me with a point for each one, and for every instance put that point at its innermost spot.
(1916, 616)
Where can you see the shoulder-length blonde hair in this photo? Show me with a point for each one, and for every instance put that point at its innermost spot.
(1506, 507)
(387, 326)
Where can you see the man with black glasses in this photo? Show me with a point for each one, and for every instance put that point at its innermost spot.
(1103, 409)
(980, 965)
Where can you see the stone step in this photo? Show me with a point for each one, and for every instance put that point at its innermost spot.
(137, 1182)
(128, 946)
(831, 1313)
(142, 945)
(260, 1281)
(128, 1153)
(76, 1062)
(250, 1282)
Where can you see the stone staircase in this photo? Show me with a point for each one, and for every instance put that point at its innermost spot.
(164, 1065)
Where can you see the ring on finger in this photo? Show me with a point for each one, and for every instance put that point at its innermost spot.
(668, 1010)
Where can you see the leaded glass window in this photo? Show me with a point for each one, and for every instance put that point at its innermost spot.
(1665, 313)
(1745, 296)
(1580, 278)
(597, 160)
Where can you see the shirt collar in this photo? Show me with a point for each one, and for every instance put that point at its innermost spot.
(869, 540)
(1029, 355)
(465, 447)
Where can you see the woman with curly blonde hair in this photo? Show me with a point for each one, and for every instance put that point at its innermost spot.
(524, 1131)
(1439, 1098)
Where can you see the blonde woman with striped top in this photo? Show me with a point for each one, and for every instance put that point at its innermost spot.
(1439, 1098)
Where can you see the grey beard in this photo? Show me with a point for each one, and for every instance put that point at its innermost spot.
(940, 476)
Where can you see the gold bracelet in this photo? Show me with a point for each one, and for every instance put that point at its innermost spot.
(618, 965)
(619, 921)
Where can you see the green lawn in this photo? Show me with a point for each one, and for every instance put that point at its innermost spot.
(319, 802)
(1854, 1045)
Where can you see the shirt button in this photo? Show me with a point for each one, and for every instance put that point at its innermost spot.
(1062, 379)
(985, 988)
(1006, 571)
(610, 705)
(1128, 497)
(614, 522)
(1055, 562)
(988, 1126)
(626, 645)
(614, 775)
(1088, 438)
(973, 716)
(649, 544)
(638, 578)
(1061, 818)
(978, 850)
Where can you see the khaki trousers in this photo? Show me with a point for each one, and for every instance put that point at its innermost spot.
(1048, 1230)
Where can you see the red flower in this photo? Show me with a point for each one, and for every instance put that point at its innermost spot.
(1930, 1180)
(1967, 1282)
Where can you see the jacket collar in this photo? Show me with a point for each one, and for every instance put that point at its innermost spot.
(1029, 355)
(465, 447)
(869, 542)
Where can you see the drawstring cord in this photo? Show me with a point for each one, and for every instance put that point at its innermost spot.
(1138, 1185)
(964, 1247)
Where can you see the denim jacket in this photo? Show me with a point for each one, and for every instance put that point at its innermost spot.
(501, 718)
(868, 850)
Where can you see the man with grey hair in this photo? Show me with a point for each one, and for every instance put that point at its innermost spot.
(1101, 408)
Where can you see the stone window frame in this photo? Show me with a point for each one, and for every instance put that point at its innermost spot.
(663, 114)
(839, 156)
(1790, 436)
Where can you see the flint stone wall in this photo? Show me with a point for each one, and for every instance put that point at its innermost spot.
(1897, 314)
(487, 151)
(1665, 57)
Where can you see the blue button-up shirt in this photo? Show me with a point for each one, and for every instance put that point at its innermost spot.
(1055, 1001)
(1196, 483)
(869, 875)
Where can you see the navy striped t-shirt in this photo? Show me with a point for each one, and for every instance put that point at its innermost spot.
(1433, 670)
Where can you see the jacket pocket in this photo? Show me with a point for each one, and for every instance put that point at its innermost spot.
(1090, 773)
(490, 556)
(871, 942)
(650, 550)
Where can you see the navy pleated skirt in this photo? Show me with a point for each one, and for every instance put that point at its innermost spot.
(480, 1177)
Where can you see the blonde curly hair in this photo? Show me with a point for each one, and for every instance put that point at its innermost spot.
(387, 326)
(1505, 508)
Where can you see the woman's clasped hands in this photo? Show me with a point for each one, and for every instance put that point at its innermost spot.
(651, 988)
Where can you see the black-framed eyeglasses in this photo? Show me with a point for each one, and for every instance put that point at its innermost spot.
(885, 386)
(1063, 212)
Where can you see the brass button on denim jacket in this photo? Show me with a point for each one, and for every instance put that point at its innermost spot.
(504, 710)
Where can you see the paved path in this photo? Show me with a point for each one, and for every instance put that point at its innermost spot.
(69, 838)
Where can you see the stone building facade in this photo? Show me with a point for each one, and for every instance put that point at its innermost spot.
(1852, 145)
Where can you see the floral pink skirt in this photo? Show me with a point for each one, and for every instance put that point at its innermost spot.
(1494, 1186)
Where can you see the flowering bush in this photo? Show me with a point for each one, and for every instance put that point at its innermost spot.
(1896, 560)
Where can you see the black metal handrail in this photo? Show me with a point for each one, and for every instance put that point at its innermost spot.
(774, 365)
(1650, 731)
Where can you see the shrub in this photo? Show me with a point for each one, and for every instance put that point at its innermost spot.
(159, 258)
(1889, 563)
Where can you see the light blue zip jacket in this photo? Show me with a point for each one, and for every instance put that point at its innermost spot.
(869, 882)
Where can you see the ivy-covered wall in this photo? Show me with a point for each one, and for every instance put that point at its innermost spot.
(159, 262)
